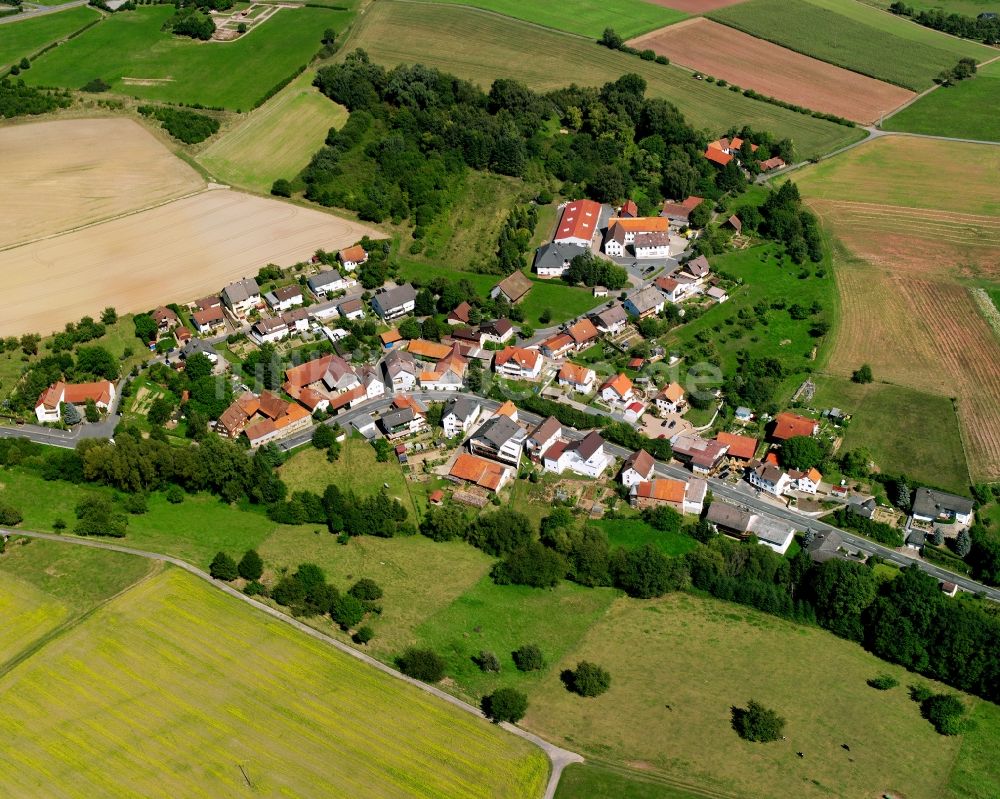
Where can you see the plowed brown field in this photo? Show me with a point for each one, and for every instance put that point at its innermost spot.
(917, 218)
(753, 63)
(170, 253)
(60, 174)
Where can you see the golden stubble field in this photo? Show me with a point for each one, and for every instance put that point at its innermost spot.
(919, 225)
(126, 243)
(61, 174)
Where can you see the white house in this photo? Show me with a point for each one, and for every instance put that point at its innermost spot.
(518, 363)
(645, 302)
(553, 259)
(393, 303)
(460, 414)
(352, 309)
(611, 320)
(372, 381)
(578, 378)
(671, 398)
(499, 438)
(717, 294)
(285, 298)
(683, 496)
(329, 282)
(401, 370)
(353, 257)
(585, 456)
(617, 389)
(807, 482)
(638, 468)
(543, 436)
(634, 411)
(242, 296)
(269, 330)
(930, 505)
(768, 477)
(48, 408)
(652, 245)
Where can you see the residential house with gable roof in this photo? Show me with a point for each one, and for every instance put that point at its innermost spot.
(617, 389)
(768, 477)
(701, 455)
(353, 257)
(543, 436)
(790, 425)
(395, 302)
(638, 468)
(645, 302)
(670, 398)
(242, 296)
(683, 496)
(578, 223)
(513, 288)
(611, 320)
(518, 363)
(585, 456)
(578, 378)
(499, 438)
(553, 259)
(459, 415)
(49, 405)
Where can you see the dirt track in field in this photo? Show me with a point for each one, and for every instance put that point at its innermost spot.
(694, 6)
(61, 174)
(171, 253)
(775, 71)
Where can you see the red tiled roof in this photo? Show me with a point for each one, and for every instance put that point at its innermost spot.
(620, 383)
(742, 447)
(526, 359)
(716, 156)
(642, 224)
(788, 425)
(355, 254)
(663, 489)
(583, 331)
(574, 373)
(579, 220)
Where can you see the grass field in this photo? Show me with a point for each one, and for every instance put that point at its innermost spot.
(500, 618)
(589, 781)
(854, 36)
(968, 7)
(961, 111)
(133, 54)
(420, 577)
(584, 17)
(65, 175)
(976, 773)
(188, 676)
(634, 533)
(912, 241)
(679, 664)
(482, 47)
(765, 277)
(562, 301)
(24, 38)
(905, 430)
(264, 146)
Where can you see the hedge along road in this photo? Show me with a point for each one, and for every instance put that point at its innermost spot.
(558, 758)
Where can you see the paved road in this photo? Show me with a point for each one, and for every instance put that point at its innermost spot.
(558, 758)
(31, 10)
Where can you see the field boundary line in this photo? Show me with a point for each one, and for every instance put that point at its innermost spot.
(660, 778)
(927, 91)
(558, 757)
(492, 13)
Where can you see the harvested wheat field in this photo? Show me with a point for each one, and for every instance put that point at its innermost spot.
(169, 253)
(913, 239)
(695, 6)
(67, 173)
(770, 69)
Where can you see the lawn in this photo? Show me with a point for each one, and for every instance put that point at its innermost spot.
(976, 773)
(131, 52)
(26, 37)
(584, 17)
(420, 577)
(501, 618)
(961, 110)
(590, 781)
(482, 47)
(176, 672)
(854, 36)
(262, 146)
(679, 664)
(905, 430)
(561, 301)
(356, 470)
(634, 533)
(766, 276)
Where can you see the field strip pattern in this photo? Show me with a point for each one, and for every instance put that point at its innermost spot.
(749, 62)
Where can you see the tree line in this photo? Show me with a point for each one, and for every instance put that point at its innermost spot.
(983, 28)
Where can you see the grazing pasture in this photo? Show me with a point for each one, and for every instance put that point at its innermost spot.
(591, 781)
(679, 664)
(963, 110)
(172, 252)
(482, 47)
(72, 172)
(913, 239)
(133, 54)
(276, 140)
(584, 17)
(752, 63)
(228, 696)
(854, 36)
(24, 38)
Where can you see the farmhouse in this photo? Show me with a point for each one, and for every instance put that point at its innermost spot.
(701, 455)
(284, 298)
(789, 425)
(352, 257)
(671, 398)
(578, 223)
(481, 472)
(553, 259)
(401, 370)
(499, 332)
(459, 415)
(448, 373)
(680, 213)
(49, 405)
(578, 378)
(518, 363)
(329, 282)
(722, 151)
(683, 497)
(771, 163)
(499, 438)
(768, 477)
(352, 309)
(611, 320)
(623, 231)
(242, 296)
(513, 288)
(638, 468)
(617, 389)
(930, 505)
(543, 436)
(428, 350)
(585, 456)
(208, 319)
(396, 302)
(742, 449)
(645, 302)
